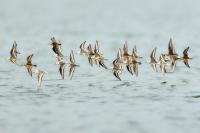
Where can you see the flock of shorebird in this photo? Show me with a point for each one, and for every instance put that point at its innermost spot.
(124, 58)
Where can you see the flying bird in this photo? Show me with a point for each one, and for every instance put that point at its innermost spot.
(29, 64)
(185, 57)
(62, 69)
(40, 75)
(72, 64)
(153, 61)
(56, 47)
(83, 50)
(117, 68)
(162, 63)
(14, 53)
(173, 56)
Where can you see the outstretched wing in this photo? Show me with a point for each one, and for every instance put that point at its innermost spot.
(186, 63)
(40, 78)
(125, 49)
(171, 49)
(71, 57)
(129, 69)
(152, 56)
(96, 47)
(102, 64)
(57, 50)
(29, 69)
(82, 46)
(135, 68)
(29, 59)
(116, 74)
(90, 61)
(185, 52)
(12, 50)
(90, 48)
(71, 72)
(61, 70)
(119, 54)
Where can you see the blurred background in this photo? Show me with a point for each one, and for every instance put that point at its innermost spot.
(94, 101)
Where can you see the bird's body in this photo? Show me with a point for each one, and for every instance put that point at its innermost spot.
(98, 57)
(172, 55)
(83, 50)
(134, 53)
(132, 65)
(40, 75)
(153, 61)
(117, 68)
(62, 69)
(29, 64)
(91, 54)
(72, 64)
(186, 57)
(125, 54)
(56, 46)
(14, 53)
(162, 63)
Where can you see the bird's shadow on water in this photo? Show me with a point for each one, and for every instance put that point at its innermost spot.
(36, 93)
(4, 85)
(195, 96)
(5, 71)
(122, 84)
(196, 68)
(53, 80)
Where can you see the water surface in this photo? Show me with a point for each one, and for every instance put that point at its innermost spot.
(94, 101)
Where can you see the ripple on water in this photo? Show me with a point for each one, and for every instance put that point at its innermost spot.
(19, 87)
(175, 118)
(87, 75)
(125, 84)
(195, 96)
(4, 71)
(4, 85)
(42, 95)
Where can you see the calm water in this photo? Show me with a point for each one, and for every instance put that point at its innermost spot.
(94, 101)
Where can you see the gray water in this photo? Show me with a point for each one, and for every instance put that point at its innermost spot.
(95, 101)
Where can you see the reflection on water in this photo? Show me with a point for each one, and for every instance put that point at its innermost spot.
(94, 101)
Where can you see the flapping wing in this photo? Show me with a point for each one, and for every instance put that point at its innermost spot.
(170, 47)
(57, 50)
(71, 57)
(29, 69)
(90, 48)
(186, 63)
(115, 62)
(119, 54)
(102, 64)
(61, 70)
(125, 49)
(135, 69)
(116, 74)
(185, 52)
(82, 46)
(29, 59)
(129, 69)
(153, 53)
(90, 61)
(12, 50)
(40, 78)
(71, 72)
(96, 48)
